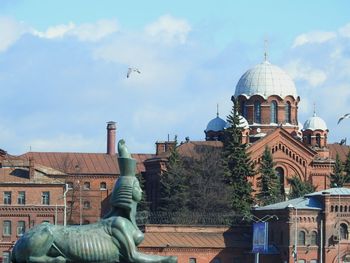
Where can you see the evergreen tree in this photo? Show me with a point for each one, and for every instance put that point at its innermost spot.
(347, 168)
(237, 165)
(337, 177)
(269, 183)
(299, 188)
(173, 185)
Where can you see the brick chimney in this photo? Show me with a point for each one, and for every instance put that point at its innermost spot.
(111, 134)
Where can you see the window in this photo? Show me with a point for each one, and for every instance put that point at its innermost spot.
(6, 230)
(257, 112)
(318, 140)
(21, 200)
(7, 198)
(21, 228)
(273, 112)
(103, 186)
(313, 261)
(87, 205)
(192, 260)
(45, 198)
(217, 260)
(6, 257)
(301, 261)
(301, 238)
(69, 185)
(288, 112)
(86, 185)
(343, 231)
(243, 109)
(308, 138)
(313, 238)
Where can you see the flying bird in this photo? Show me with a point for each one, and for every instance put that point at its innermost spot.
(131, 70)
(346, 116)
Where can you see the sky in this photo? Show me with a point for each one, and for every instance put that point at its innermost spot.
(63, 67)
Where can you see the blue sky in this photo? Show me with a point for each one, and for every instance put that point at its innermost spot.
(63, 66)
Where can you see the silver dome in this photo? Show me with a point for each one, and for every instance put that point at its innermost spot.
(315, 123)
(265, 79)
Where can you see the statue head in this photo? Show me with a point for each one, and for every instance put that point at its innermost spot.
(127, 191)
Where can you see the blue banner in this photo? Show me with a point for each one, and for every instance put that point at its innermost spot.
(260, 237)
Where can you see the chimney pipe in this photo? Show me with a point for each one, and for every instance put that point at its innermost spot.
(111, 134)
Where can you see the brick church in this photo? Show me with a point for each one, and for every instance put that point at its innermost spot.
(33, 185)
(268, 102)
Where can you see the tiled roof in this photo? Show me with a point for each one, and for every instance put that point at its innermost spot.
(182, 238)
(83, 163)
(342, 150)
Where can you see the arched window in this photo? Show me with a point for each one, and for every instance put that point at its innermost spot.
(86, 185)
(318, 140)
(301, 238)
(344, 231)
(257, 112)
(273, 112)
(313, 238)
(308, 139)
(103, 186)
(288, 112)
(243, 109)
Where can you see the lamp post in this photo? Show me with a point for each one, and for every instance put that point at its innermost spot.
(295, 250)
(65, 206)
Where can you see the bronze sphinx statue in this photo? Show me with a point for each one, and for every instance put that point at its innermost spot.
(112, 239)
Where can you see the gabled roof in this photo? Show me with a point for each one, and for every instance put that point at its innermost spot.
(83, 163)
(280, 132)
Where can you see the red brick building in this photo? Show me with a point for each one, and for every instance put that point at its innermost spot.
(314, 228)
(30, 195)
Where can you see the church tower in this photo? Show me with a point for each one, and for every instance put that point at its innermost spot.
(267, 97)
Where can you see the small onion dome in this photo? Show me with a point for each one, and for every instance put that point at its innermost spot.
(315, 123)
(216, 124)
(243, 123)
(265, 79)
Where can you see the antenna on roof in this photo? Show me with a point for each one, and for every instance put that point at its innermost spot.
(217, 109)
(266, 42)
(168, 137)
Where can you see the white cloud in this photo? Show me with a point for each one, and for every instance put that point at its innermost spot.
(10, 32)
(316, 37)
(169, 29)
(55, 31)
(345, 31)
(91, 32)
(299, 70)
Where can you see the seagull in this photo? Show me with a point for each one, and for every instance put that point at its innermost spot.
(346, 116)
(130, 70)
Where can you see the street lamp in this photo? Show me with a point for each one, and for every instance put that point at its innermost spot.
(65, 206)
(295, 250)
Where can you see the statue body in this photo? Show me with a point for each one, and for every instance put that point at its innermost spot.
(113, 239)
